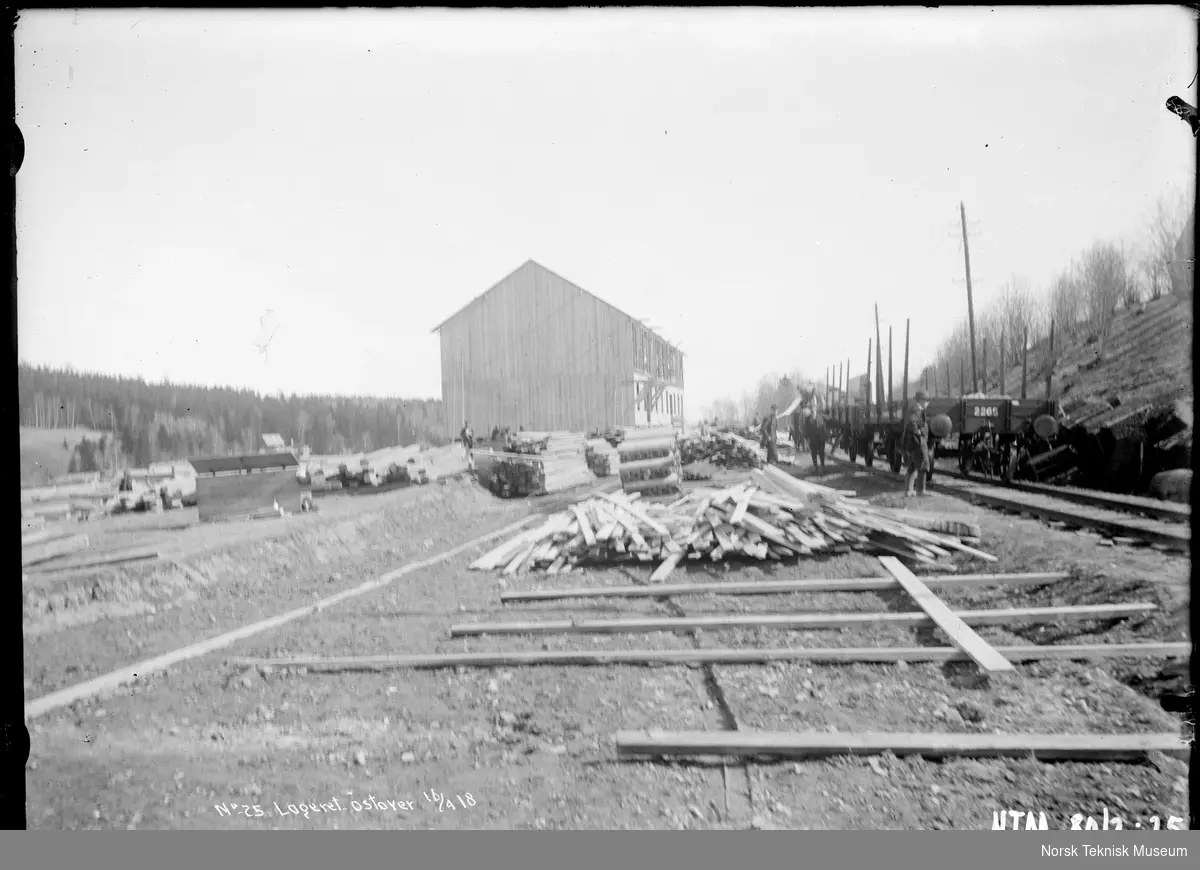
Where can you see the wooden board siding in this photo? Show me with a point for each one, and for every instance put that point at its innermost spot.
(538, 351)
(234, 494)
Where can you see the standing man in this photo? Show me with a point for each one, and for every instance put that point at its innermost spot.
(468, 443)
(814, 432)
(770, 435)
(914, 440)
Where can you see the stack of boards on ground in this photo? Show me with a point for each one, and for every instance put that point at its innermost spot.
(601, 457)
(773, 517)
(649, 461)
(561, 465)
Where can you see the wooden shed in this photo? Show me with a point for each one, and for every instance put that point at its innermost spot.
(540, 352)
(231, 486)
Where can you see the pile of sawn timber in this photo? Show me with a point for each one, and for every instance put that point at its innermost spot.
(773, 517)
(559, 464)
(720, 448)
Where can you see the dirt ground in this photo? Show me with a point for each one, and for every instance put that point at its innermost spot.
(532, 748)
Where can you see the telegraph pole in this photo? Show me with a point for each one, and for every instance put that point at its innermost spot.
(970, 300)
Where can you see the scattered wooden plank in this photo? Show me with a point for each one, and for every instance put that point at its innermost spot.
(696, 657)
(114, 679)
(584, 526)
(954, 627)
(37, 554)
(96, 561)
(805, 621)
(808, 744)
(664, 570)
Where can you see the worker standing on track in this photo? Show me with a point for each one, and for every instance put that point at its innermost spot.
(914, 440)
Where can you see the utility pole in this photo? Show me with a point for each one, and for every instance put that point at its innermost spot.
(905, 396)
(983, 347)
(970, 299)
(841, 391)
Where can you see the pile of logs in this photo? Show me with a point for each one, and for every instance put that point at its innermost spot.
(720, 448)
(649, 462)
(773, 517)
(559, 463)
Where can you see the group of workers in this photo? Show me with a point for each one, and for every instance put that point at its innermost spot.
(810, 426)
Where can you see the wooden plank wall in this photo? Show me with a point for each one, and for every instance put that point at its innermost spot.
(539, 352)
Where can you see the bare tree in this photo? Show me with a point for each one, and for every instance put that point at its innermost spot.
(1164, 228)
(1105, 278)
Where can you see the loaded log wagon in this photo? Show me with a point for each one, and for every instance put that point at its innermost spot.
(996, 436)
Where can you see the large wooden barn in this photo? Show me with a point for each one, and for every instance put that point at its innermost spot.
(539, 352)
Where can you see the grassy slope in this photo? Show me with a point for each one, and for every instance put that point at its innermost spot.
(42, 454)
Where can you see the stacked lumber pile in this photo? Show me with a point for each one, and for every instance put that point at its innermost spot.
(650, 462)
(48, 544)
(773, 517)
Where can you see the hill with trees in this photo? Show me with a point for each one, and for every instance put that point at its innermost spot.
(140, 422)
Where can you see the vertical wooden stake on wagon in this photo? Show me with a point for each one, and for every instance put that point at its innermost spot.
(1024, 360)
(960, 634)
(1050, 368)
(868, 396)
(983, 369)
(890, 396)
(962, 377)
(879, 396)
(904, 398)
(1002, 362)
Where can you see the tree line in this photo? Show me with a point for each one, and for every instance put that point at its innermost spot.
(1081, 301)
(145, 422)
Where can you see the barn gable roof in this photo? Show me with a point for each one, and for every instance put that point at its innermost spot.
(216, 464)
(532, 264)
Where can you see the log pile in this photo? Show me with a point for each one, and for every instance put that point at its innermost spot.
(649, 462)
(601, 457)
(722, 448)
(774, 517)
(559, 463)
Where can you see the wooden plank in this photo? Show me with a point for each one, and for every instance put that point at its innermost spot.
(97, 561)
(664, 570)
(114, 679)
(696, 657)
(777, 587)
(809, 744)
(806, 621)
(585, 527)
(34, 554)
(743, 503)
(638, 514)
(954, 627)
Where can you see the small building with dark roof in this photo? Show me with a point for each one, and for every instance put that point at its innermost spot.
(229, 486)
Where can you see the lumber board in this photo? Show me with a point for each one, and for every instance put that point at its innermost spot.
(807, 621)
(97, 561)
(954, 627)
(696, 657)
(664, 570)
(776, 587)
(808, 744)
(638, 514)
(114, 679)
(46, 551)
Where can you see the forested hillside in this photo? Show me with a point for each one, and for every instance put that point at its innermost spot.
(160, 422)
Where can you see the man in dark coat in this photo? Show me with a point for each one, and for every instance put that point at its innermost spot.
(770, 435)
(815, 434)
(914, 440)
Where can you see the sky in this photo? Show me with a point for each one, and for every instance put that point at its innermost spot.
(294, 200)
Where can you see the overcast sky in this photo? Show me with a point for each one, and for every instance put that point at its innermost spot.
(333, 184)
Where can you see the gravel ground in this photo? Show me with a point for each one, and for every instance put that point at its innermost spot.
(532, 747)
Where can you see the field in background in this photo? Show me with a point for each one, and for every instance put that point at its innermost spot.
(42, 455)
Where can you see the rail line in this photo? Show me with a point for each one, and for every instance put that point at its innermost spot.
(1048, 505)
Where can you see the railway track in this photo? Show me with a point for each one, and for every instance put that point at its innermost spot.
(1108, 514)
(1148, 507)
